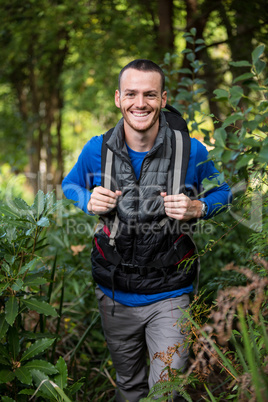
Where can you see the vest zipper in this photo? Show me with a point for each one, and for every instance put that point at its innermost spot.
(136, 209)
(137, 183)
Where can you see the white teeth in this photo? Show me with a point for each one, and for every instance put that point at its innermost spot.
(140, 114)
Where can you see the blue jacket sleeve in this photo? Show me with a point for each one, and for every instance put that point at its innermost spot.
(85, 174)
(219, 197)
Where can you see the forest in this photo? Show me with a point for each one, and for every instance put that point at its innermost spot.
(59, 66)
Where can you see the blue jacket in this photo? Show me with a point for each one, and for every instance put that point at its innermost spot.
(87, 173)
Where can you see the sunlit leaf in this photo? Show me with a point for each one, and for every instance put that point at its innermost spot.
(43, 222)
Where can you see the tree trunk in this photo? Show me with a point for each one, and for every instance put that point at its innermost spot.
(165, 31)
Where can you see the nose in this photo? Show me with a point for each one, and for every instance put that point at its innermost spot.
(140, 101)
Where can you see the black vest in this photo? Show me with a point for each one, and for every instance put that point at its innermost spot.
(147, 252)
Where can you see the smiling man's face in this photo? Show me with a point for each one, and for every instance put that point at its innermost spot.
(140, 99)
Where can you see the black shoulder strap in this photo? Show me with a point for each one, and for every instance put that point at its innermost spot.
(106, 161)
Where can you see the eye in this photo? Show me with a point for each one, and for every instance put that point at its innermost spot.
(130, 94)
(151, 96)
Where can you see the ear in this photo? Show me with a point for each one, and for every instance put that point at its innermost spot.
(164, 99)
(117, 98)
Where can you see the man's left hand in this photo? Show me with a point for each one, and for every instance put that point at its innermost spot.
(181, 207)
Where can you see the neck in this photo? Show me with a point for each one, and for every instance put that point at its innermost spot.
(141, 141)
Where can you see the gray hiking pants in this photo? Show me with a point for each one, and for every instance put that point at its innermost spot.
(133, 330)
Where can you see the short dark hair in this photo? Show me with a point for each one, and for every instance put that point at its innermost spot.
(143, 65)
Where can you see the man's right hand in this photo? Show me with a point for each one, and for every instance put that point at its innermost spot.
(102, 200)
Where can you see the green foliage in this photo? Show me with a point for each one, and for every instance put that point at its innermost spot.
(24, 351)
(241, 142)
(187, 94)
(231, 338)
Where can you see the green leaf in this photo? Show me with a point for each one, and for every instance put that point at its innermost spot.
(43, 222)
(7, 399)
(44, 384)
(61, 378)
(59, 204)
(232, 119)
(41, 365)
(13, 213)
(23, 375)
(210, 394)
(244, 160)
(263, 155)
(11, 310)
(4, 361)
(10, 258)
(76, 386)
(252, 142)
(185, 71)
(189, 39)
(243, 77)
(220, 136)
(36, 348)
(221, 94)
(4, 351)
(40, 306)
(236, 94)
(3, 325)
(24, 209)
(6, 376)
(260, 66)
(62, 394)
(29, 266)
(17, 284)
(34, 336)
(193, 31)
(13, 342)
(5, 266)
(257, 53)
(38, 204)
(241, 63)
(32, 281)
(190, 56)
(3, 286)
(226, 156)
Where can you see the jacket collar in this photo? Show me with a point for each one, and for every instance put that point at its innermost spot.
(117, 140)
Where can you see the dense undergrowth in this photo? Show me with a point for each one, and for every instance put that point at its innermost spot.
(51, 342)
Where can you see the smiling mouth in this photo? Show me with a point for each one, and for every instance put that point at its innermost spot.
(140, 114)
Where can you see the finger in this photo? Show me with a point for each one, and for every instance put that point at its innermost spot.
(96, 196)
(176, 197)
(174, 204)
(104, 192)
(178, 216)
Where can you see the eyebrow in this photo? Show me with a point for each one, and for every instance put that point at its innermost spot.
(135, 91)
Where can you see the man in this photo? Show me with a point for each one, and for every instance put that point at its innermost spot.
(141, 259)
